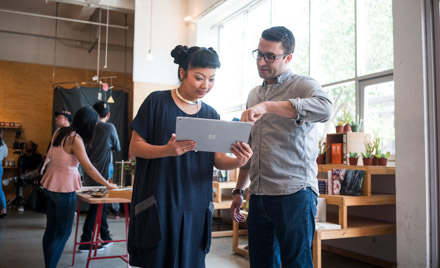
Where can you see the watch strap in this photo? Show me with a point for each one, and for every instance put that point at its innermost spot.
(237, 191)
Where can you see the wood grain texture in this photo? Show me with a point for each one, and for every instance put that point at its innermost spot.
(27, 95)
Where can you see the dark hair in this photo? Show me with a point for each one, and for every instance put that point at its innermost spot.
(34, 146)
(194, 57)
(83, 124)
(102, 108)
(280, 34)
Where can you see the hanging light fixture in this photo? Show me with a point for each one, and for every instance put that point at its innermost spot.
(110, 99)
(150, 52)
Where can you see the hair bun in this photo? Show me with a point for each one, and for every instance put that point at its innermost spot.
(179, 53)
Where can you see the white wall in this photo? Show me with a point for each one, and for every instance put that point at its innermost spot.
(411, 141)
(22, 40)
(169, 30)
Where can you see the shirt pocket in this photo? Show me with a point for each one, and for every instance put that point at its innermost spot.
(208, 228)
(145, 231)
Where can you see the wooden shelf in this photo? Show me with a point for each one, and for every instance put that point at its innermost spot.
(220, 185)
(369, 171)
(8, 167)
(351, 142)
(357, 227)
(239, 249)
(8, 127)
(374, 170)
(345, 201)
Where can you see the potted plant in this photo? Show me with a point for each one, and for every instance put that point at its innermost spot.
(377, 146)
(382, 159)
(347, 119)
(356, 125)
(339, 126)
(367, 158)
(353, 158)
(322, 148)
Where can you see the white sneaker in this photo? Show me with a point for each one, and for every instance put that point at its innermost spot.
(20, 209)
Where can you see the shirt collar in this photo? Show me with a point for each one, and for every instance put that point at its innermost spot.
(281, 78)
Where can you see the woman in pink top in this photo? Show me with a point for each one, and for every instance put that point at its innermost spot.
(62, 179)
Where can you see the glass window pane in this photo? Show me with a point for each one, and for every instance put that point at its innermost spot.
(379, 113)
(375, 36)
(294, 15)
(258, 20)
(343, 97)
(227, 91)
(332, 43)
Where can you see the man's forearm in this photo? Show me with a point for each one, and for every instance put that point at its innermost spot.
(281, 108)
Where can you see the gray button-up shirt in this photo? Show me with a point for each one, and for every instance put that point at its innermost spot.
(285, 150)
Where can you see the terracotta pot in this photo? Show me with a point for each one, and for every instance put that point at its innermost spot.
(347, 128)
(375, 161)
(320, 159)
(355, 128)
(382, 161)
(339, 129)
(367, 161)
(353, 161)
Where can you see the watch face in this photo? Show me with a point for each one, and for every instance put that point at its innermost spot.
(237, 191)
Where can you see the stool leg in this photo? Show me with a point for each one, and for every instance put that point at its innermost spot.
(126, 230)
(95, 233)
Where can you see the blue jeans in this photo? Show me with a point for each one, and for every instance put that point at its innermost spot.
(60, 214)
(281, 229)
(2, 194)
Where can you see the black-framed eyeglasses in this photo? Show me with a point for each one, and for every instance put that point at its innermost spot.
(269, 58)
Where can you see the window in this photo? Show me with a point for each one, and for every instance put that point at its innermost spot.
(375, 36)
(332, 31)
(295, 16)
(379, 110)
(347, 45)
(343, 97)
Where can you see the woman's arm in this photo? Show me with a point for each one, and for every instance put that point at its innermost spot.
(241, 150)
(139, 147)
(79, 151)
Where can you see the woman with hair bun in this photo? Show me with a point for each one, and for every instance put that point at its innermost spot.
(171, 209)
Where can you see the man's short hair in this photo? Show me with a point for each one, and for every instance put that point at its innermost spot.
(102, 108)
(66, 114)
(280, 34)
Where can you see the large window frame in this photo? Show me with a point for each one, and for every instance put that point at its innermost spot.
(357, 79)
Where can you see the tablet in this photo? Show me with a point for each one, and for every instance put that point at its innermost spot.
(212, 135)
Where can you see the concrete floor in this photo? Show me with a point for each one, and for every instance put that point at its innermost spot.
(21, 235)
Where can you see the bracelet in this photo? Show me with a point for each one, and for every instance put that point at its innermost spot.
(237, 191)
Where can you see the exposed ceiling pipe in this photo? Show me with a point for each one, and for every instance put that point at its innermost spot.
(64, 19)
(125, 6)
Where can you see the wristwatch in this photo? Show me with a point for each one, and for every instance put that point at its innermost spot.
(237, 191)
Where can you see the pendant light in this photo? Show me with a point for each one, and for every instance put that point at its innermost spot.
(150, 52)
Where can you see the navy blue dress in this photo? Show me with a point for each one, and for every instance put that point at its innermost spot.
(171, 208)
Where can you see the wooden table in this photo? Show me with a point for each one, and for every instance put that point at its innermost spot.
(97, 226)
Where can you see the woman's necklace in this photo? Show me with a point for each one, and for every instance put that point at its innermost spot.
(185, 100)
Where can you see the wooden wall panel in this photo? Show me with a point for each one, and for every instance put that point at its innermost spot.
(26, 96)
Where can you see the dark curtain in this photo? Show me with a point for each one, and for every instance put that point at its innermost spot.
(75, 98)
